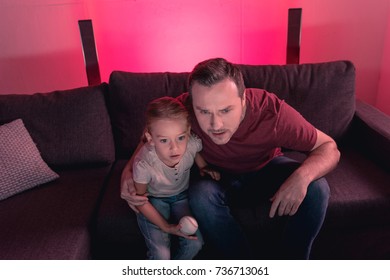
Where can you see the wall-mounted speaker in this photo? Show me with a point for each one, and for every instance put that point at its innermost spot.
(89, 51)
(294, 35)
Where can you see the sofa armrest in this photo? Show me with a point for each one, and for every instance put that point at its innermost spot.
(371, 133)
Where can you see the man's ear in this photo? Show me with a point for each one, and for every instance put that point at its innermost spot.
(149, 138)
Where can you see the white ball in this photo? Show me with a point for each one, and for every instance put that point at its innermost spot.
(188, 225)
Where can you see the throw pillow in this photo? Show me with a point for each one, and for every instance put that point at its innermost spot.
(21, 165)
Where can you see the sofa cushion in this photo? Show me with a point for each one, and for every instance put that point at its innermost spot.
(68, 127)
(21, 165)
(117, 235)
(324, 93)
(359, 191)
(52, 221)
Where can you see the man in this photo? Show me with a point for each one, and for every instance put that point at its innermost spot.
(243, 131)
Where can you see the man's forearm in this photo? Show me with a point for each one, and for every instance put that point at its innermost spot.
(320, 161)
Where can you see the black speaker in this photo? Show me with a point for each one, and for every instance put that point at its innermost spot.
(294, 35)
(89, 51)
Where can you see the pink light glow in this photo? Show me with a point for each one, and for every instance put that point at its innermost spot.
(175, 35)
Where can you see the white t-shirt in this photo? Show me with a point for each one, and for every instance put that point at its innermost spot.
(162, 180)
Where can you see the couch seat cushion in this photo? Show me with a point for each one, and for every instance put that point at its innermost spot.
(360, 192)
(52, 221)
(117, 234)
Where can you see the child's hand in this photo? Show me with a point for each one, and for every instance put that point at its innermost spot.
(214, 174)
(175, 229)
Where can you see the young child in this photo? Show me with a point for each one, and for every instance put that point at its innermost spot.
(161, 170)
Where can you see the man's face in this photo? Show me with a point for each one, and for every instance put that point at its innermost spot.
(218, 109)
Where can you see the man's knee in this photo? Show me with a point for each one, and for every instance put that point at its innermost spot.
(204, 189)
(319, 189)
(317, 196)
(204, 194)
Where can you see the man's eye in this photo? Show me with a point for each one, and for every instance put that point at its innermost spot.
(204, 112)
(224, 111)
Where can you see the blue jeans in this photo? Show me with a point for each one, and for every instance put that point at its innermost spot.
(158, 242)
(210, 202)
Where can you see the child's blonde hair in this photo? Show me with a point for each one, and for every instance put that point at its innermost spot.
(165, 108)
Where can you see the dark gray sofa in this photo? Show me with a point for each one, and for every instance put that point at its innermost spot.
(73, 133)
(81, 215)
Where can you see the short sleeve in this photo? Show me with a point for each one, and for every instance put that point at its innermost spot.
(141, 172)
(293, 131)
(194, 144)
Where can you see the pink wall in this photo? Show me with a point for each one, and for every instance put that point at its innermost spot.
(151, 36)
(383, 98)
(339, 30)
(41, 50)
(40, 46)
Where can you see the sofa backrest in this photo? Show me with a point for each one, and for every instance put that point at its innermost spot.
(129, 95)
(324, 93)
(69, 127)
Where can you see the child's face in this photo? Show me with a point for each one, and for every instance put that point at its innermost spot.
(170, 138)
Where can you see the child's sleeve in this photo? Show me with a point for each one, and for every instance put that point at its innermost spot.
(195, 143)
(141, 174)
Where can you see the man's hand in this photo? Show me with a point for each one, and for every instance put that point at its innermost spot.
(213, 174)
(128, 191)
(323, 158)
(289, 197)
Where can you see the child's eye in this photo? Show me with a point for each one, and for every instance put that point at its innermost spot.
(163, 141)
(181, 138)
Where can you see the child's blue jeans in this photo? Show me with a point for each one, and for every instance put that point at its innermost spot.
(158, 242)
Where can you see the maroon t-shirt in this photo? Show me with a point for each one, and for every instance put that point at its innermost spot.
(268, 125)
